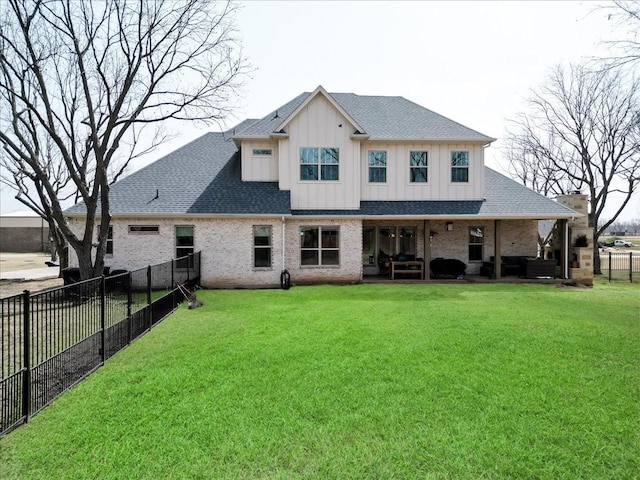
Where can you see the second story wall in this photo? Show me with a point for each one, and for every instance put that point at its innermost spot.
(259, 161)
(421, 171)
(316, 127)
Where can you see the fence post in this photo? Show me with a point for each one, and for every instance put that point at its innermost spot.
(129, 302)
(631, 267)
(199, 272)
(26, 379)
(609, 267)
(173, 283)
(189, 260)
(103, 353)
(149, 312)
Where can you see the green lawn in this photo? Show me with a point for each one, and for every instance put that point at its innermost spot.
(452, 381)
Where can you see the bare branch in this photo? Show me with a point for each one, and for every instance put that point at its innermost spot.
(80, 81)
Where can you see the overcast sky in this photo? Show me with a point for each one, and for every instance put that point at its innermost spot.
(473, 62)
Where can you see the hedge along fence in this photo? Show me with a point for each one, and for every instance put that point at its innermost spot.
(53, 339)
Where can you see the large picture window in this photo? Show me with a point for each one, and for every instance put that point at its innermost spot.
(459, 166)
(377, 166)
(262, 246)
(319, 246)
(184, 245)
(319, 164)
(476, 244)
(418, 163)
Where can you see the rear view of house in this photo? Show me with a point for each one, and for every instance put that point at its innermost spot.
(332, 187)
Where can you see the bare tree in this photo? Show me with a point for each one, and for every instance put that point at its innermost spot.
(581, 132)
(625, 44)
(81, 81)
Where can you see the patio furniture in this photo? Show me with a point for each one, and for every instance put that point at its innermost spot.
(538, 267)
(509, 265)
(407, 267)
(447, 267)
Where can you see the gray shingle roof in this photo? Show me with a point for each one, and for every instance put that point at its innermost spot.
(381, 117)
(267, 125)
(201, 177)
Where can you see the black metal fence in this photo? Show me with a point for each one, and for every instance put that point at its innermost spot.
(620, 265)
(53, 339)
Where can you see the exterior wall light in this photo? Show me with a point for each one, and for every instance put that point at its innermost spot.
(449, 226)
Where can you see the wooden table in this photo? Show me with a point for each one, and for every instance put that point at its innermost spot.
(408, 267)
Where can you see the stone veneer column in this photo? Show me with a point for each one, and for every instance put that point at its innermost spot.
(580, 258)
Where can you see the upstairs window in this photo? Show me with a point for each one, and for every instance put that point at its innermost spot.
(459, 166)
(319, 164)
(418, 163)
(262, 246)
(262, 152)
(377, 166)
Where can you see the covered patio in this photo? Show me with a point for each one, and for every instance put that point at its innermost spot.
(501, 248)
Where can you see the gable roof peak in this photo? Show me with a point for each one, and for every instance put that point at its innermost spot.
(320, 91)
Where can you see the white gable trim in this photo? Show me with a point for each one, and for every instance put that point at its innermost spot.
(319, 91)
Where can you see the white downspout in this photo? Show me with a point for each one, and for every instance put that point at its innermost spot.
(283, 246)
(567, 260)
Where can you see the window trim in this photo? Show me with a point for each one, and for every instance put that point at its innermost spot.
(262, 247)
(386, 167)
(319, 248)
(467, 167)
(425, 167)
(143, 229)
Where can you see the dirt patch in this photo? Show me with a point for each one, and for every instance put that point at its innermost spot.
(13, 287)
(12, 262)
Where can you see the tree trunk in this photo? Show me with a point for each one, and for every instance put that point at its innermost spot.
(59, 249)
(84, 262)
(597, 270)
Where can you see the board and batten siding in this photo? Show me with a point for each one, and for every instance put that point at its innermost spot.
(439, 185)
(319, 124)
(259, 168)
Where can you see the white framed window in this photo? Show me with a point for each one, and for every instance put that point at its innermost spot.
(184, 245)
(460, 166)
(144, 229)
(262, 246)
(319, 246)
(476, 244)
(377, 166)
(319, 164)
(109, 242)
(262, 152)
(418, 166)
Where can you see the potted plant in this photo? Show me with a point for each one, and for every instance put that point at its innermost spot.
(581, 241)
